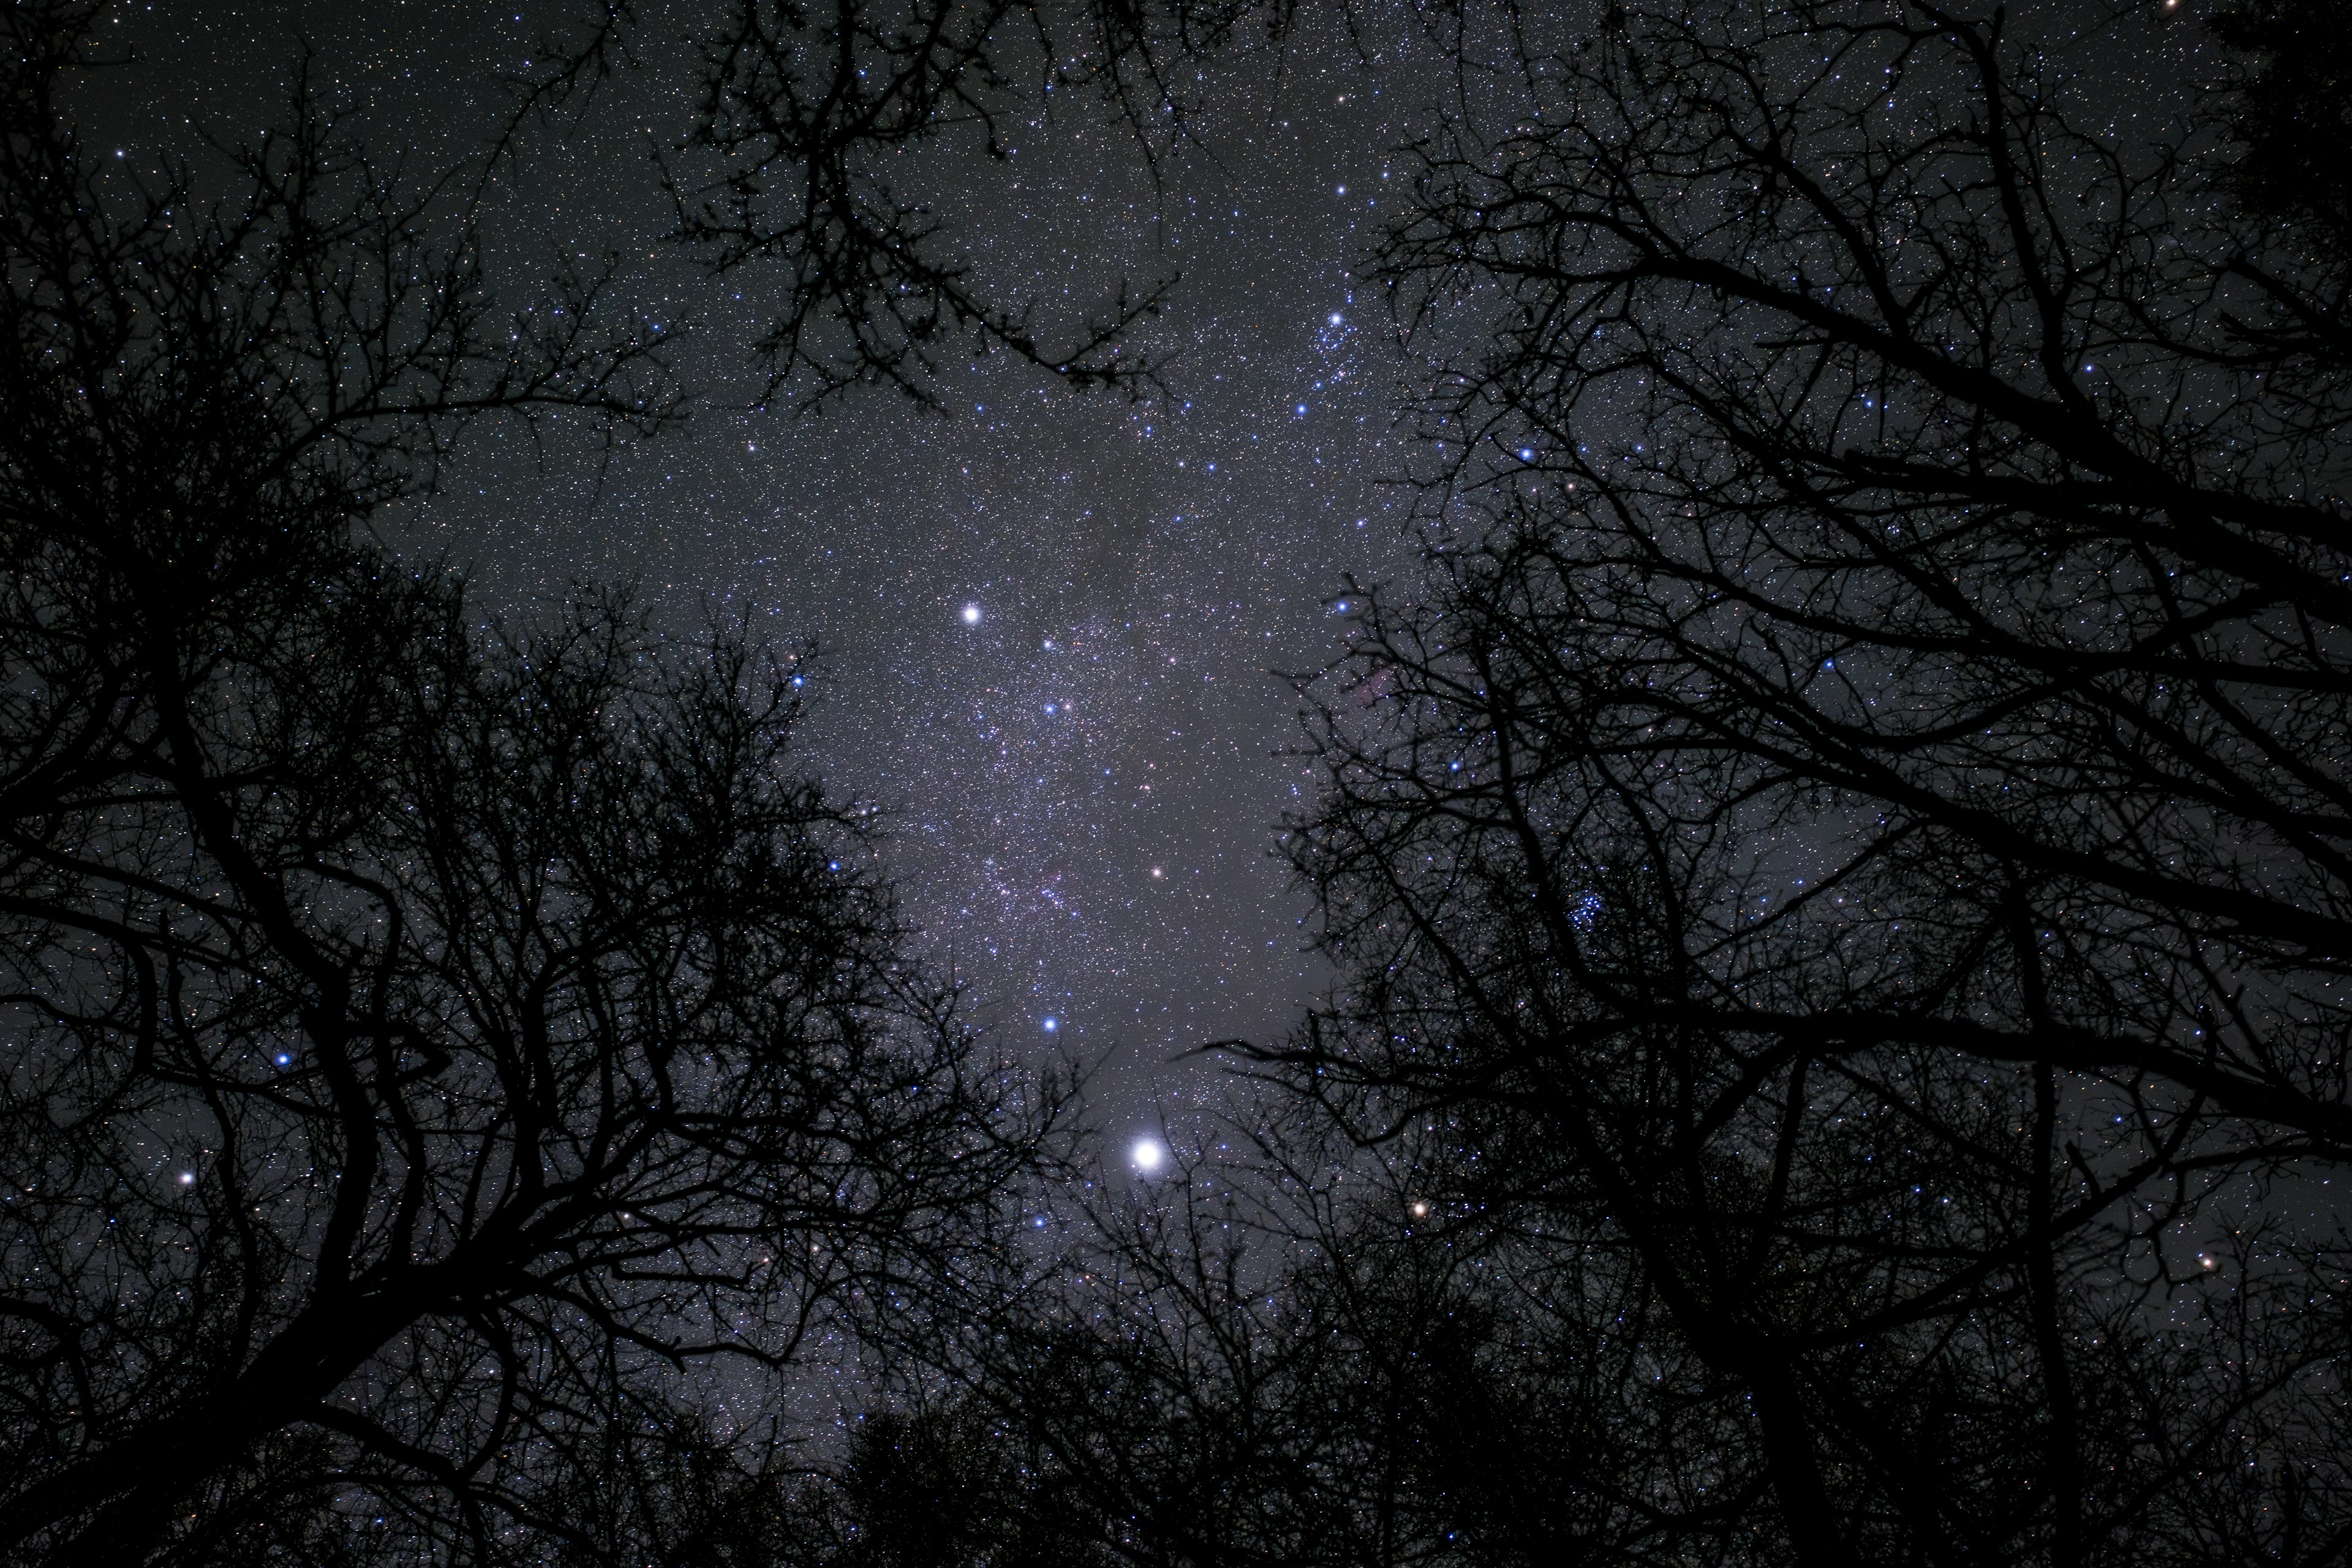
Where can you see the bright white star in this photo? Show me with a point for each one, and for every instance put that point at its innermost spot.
(1146, 1154)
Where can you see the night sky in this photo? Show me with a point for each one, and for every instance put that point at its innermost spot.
(1048, 621)
(1054, 644)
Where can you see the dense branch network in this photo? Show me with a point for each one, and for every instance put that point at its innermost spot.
(433, 1044)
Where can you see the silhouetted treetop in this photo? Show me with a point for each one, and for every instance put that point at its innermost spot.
(433, 1042)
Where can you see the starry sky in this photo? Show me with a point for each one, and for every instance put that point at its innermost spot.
(1050, 626)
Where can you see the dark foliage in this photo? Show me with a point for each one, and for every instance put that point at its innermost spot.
(2290, 110)
(1318, 1366)
(1850, 839)
(435, 1051)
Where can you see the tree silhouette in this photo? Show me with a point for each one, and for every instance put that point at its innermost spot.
(1838, 871)
(1849, 837)
(435, 1048)
(822, 137)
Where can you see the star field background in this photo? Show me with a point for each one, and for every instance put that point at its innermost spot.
(1081, 787)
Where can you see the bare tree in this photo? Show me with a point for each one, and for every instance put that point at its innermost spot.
(1849, 837)
(435, 1050)
(821, 138)
(787, 170)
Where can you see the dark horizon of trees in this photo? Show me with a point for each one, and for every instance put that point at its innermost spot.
(1836, 866)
